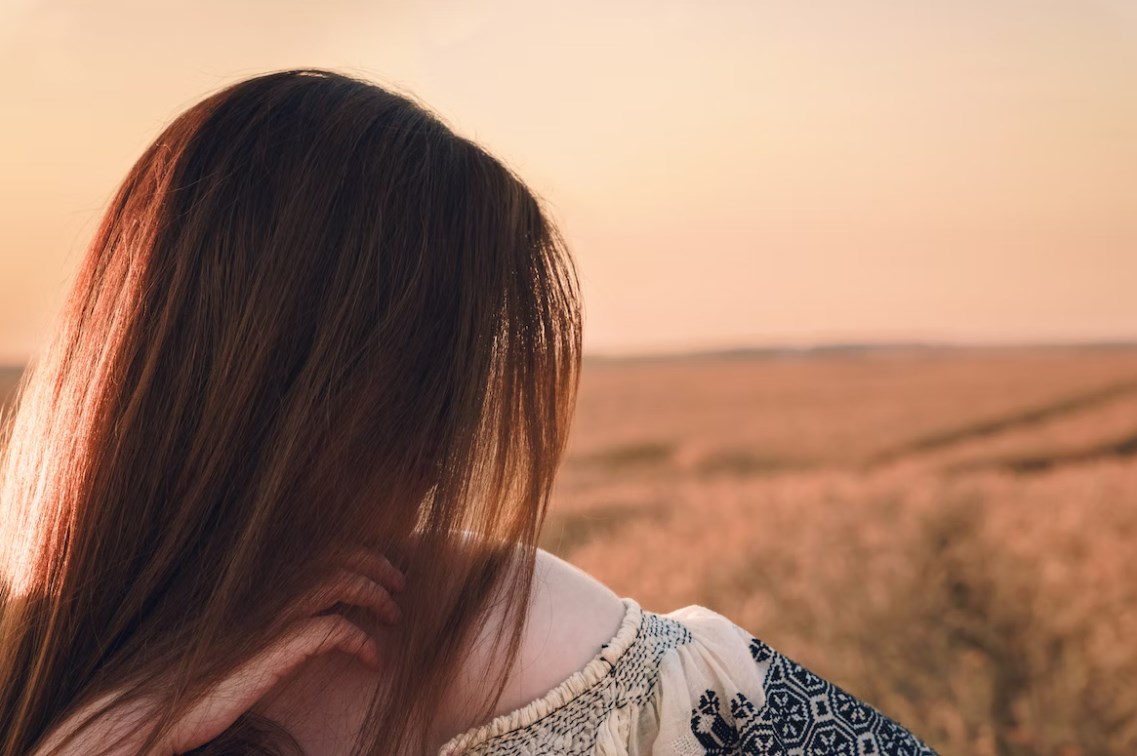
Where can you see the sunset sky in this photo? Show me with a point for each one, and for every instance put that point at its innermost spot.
(728, 173)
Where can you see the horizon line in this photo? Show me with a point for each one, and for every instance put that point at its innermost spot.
(825, 347)
(831, 347)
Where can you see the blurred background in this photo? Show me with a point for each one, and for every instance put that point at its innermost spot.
(860, 330)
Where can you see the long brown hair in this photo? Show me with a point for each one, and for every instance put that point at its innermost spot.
(312, 317)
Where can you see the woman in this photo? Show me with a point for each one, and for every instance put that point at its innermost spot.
(277, 484)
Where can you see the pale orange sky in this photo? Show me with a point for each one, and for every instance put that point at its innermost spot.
(727, 173)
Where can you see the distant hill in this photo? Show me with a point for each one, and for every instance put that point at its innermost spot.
(10, 374)
(852, 349)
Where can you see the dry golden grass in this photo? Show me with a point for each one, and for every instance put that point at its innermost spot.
(865, 515)
(872, 516)
(828, 409)
(1056, 441)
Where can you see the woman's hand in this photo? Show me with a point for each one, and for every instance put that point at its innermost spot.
(367, 581)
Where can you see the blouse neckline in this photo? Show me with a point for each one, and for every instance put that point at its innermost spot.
(578, 682)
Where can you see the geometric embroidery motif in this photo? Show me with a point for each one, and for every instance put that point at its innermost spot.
(804, 715)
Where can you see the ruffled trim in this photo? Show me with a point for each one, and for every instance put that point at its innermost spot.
(579, 682)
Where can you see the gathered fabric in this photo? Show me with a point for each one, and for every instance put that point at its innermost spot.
(690, 683)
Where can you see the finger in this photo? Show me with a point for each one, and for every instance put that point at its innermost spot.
(236, 694)
(354, 589)
(122, 721)
(378, 568)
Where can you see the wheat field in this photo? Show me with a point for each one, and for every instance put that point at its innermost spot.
(949, 534)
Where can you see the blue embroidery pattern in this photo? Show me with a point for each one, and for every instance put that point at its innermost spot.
(804, 715)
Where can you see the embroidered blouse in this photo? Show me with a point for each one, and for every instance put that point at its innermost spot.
(690, 683)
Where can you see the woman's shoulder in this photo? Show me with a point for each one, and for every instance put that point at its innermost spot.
(687, 682)
(571, 615)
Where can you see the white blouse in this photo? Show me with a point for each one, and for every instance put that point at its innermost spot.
(690, 683)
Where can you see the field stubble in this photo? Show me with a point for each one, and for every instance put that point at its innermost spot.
(866, 515)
